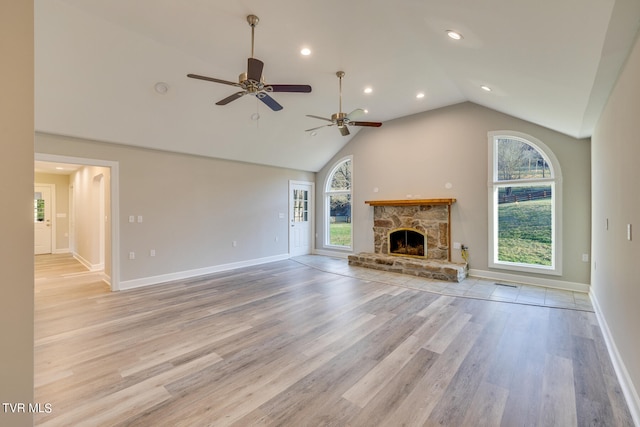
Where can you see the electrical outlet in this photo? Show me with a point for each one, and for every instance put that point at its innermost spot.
(234, 243)
(457, 245)
(585, 257)
(132, 255)
(152, 252)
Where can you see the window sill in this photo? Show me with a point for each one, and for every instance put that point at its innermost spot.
(526, 268)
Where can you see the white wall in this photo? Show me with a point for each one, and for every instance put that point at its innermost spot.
(88, 196)
(16, 210)
(616, 200)
(420, 154)
(192, 208)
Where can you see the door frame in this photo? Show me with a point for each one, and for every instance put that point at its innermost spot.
(114, 196)
(312, 216)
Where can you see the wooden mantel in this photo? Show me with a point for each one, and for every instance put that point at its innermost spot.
(411, 202)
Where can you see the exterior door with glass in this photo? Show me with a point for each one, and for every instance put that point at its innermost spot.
(42, 219)
(300, 218)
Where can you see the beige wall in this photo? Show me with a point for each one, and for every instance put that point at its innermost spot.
(420, 154)
(193, 208)
(616, 200)
(16, 210)
(61, 183)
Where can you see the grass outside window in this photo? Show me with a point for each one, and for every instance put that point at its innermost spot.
(340, 233)
(525, 232)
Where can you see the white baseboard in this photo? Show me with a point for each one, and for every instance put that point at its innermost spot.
(90, 266)
(62, 251)
(626, 384)
(335, 254)
(163, 278)
(526, 280)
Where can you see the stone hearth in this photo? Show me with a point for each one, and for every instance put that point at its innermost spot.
(431, 269)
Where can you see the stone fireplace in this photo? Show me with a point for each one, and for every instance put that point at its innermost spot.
(412, 237)
(430, 220)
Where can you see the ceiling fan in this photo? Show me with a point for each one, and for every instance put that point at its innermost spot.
(343, 120)
(252, 82)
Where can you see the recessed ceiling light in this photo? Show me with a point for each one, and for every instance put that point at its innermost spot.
(306, 51)
(313, 133)
(368, 90)
(454, 35)
(420, 95)
(366, 111)
(255, 116)
(485, 88)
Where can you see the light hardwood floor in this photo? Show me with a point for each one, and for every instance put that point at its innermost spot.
(285, 344)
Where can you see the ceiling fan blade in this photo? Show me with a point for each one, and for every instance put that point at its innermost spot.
(369, 124)
(318, 117)
(319, 127)
(290, 88)
(344, 130)
(211, 79)
(358, 112)
(230, 98)
(271, 103)
(254, 69)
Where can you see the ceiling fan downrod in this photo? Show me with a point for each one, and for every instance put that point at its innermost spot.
(340, 75)
(253, 21)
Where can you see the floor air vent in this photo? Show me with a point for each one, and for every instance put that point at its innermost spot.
(506, 285)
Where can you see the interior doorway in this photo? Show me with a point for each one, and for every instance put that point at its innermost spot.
(88, 216)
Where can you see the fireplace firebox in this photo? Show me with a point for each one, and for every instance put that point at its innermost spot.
(407, 242)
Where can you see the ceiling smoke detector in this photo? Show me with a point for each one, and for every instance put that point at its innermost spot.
(161, 88)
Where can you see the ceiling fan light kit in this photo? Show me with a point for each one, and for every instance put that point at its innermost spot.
(252, 81)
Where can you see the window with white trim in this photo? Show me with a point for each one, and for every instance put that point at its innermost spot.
(525, 204)
(337, 196)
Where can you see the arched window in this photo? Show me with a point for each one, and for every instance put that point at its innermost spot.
(337, 191)
(525, 204)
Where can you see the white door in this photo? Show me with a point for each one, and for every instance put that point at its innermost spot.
(42, 219)
(300, 218)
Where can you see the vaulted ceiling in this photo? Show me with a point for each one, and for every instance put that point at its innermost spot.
(551, 62)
